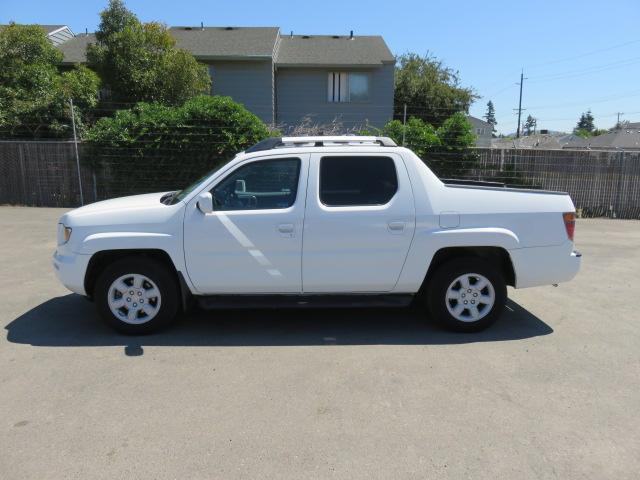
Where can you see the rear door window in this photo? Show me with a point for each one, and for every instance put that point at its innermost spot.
(351, 181)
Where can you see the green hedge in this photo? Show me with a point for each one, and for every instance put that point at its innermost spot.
(153, 147)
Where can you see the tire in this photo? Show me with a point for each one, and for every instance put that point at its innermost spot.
(150, 287)
(466, 294)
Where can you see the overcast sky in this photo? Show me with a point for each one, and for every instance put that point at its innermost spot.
(576, 54)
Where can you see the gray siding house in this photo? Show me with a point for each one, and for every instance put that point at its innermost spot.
(56, 34)
(483, 131)
(284, 79)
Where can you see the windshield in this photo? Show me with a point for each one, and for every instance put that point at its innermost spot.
(181, 194)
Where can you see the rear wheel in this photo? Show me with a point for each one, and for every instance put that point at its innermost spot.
(136, 295)
(467, 294)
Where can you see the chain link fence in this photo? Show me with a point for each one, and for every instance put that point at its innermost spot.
(44, 173)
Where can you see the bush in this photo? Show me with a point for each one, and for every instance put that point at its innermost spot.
(455, 157)
(153, 147)
(447, 150)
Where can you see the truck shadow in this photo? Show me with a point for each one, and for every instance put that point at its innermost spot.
(71, 321)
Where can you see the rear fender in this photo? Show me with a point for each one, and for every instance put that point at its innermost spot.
(427, 242)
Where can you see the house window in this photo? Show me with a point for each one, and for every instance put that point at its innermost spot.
(348, 87)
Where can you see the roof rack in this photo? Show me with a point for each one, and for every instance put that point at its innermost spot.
(320, 141)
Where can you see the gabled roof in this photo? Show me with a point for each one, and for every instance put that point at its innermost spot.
(625, 139)
(51, 28)
(573, 141)
(57, 34)
(208, 43)
(539, 141)
(226, 42)
(74, 50)
(47, 28)
(478, 122)
(332, 50)
(233, 43)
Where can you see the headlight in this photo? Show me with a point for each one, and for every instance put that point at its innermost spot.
(64, 234)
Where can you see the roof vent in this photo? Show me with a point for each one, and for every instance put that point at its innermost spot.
(306, 36)
(202, 26)
(228, 28)
(351, 35)
(188, 28)
(335, 36)
(291, 35)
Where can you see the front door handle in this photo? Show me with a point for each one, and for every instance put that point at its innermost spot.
(286, 229)
(396, 227)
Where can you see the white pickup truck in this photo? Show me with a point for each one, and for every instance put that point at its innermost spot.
(316, 222)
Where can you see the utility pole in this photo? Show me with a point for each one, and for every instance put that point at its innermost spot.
(520, 103)
(618, 122)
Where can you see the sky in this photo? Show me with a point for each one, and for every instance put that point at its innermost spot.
(576, 55)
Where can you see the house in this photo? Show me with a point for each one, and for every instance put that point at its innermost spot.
(536, 141)
(572, 141)
(483, 131)
(57, 34)
(285, 78)
(627, 137)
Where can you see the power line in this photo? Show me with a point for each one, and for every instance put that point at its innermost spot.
(593, 52)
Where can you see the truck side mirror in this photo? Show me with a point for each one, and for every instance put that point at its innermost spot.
(205, 202)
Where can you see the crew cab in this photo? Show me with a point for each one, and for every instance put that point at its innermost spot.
(317, 222)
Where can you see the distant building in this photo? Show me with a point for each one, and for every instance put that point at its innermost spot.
(539, 141)
(57, 34)
(625, 138)
(573, 142)
(284, 79)
(483, 131)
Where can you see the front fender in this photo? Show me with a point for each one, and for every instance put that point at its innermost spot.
(427, 242)
(170, 243)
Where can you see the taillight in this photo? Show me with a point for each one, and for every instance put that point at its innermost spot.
(569, 223)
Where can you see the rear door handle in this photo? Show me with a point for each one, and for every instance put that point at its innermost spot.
(396, 227)
(286, 229)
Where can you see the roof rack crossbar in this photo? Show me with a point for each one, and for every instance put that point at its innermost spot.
(319, 141)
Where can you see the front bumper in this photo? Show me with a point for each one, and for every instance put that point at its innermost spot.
(70, 270)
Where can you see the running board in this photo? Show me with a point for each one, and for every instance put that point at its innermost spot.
(211, 302)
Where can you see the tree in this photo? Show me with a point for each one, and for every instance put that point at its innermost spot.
(430, 90)
(168, 147)
(448, 150)
(530, 125)
(418, 135)
(490, 116)
(585, 123)
(34, 95)
(140, 62)
(455, 157)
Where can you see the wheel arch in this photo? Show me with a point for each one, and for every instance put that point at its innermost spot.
(496, 255)
(101, 259)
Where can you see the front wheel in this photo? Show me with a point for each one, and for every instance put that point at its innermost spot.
(467, 294)
(136, 295)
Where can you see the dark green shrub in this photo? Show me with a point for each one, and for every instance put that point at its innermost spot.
(153, 147)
